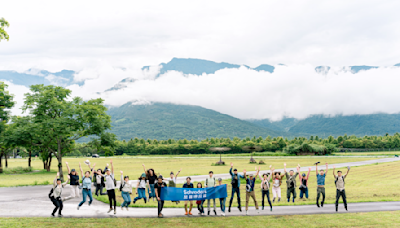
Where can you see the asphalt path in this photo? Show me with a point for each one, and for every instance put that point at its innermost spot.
(32, 201)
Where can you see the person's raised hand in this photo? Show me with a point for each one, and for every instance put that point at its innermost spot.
(143, 165)
(111, 161)
(244, 170)
(270, 166)
(69, 177)
(284, 164)
(326, 163)
(309, 169)
(79, 164)
(255, 168)
(122, 172)
(334, 167)
(58, 174)
(66, 163)
(180, 170)
(231, 164)
(94, 164)
(107, 165)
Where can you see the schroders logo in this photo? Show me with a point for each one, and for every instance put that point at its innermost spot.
(190, 192)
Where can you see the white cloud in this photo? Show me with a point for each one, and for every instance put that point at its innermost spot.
(18, 92)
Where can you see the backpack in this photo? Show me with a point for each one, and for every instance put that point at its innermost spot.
(115, 182)
(337, 180)
(51, 197)
(207, 181)
(121, 186)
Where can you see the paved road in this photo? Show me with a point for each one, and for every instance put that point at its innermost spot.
(32, 201)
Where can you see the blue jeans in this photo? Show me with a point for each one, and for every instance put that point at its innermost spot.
(153, 193)
(141, 194)
(237, 190)
(85, 193)
(222, 204)
(127, 199)
(303, 191)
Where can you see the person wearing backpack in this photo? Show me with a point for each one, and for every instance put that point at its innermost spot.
(250, 181)
(86, 186)
(235, 182)
(321, 183)
(126, 190)
(339, 182)
(304, 184)
(291, 182)
(265, 185)
(99, 181)
(55, 194)
(73, 184)
(141, 189)
(210, 183)
(110, 186)
(221, 200)
(276, 187)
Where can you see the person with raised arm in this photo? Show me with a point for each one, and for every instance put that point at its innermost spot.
(250, 181)
(126, 191)
(265, 185)
(99, 181)
(321, 183)
(276, 187)
(158, 186)
(110, 186)
(73, 184)
(172, 181)
(235, 187)
(303, 178)
(291, 182)
(56, 195)
(141, 188)
(86, 186)
(339, 182)
(151, 179)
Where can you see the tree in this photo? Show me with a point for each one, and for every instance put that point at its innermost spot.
(6, 102)
(65, 119)
(3, 34)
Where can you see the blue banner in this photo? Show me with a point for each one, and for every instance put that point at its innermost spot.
(182, 194)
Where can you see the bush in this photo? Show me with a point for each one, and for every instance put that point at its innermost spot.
(17, 170)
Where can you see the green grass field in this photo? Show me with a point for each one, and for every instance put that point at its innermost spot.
(132, 166)
(375, 153)
(372, 219)
(369, 183)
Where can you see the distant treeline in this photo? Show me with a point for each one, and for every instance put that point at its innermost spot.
(149, 147)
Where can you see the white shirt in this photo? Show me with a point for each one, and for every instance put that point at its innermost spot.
(109, 181)
(142, 184)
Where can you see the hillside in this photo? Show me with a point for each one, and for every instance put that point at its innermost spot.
(360, 125)
(163, 121)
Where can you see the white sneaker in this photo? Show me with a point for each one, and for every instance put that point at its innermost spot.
(258, 211)
(247, 212)
(222, 214)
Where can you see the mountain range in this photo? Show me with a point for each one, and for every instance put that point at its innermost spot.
(164, 120)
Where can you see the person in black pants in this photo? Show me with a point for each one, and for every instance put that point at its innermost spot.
(235, 187)
(157, 186)
(99, 181)
(265, 185)
(56, 195)
(339, 182)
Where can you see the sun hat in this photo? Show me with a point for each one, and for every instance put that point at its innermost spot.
(143, 175)
(87, 162)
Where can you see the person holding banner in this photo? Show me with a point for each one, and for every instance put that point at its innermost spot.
(235, 187)
(221, 200)
(158, 186)
(200, 202)
(250, 181)
(210, 183)
(265, 178)
(172, 181)
(188, 185)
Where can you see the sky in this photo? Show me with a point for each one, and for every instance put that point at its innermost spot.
(106, 42)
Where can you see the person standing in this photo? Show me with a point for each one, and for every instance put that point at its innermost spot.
(200, 202)
(339, 182)
(210, 183)
(126, 191)
(265, 178)
(86, 186)
(304, 184)
(188, 185)
(235, 187)
(158, 186)
(110, 186)
(250, 181)
(73, 183)
(276, 187)
(141, 188)
(291, 183)
(172, 181)
(56, 197)
(321, 183)
(151, 179)
(221, 200)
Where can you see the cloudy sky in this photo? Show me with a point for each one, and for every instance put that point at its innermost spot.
(98, 38)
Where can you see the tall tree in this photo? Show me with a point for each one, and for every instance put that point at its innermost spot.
(65, 119)
(3, 34)
(6, 102)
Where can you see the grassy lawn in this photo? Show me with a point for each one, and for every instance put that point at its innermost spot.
(371, 183)
(132, 166)
(371, 219)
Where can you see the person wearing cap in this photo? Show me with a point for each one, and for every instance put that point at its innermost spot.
(99, 180)
(188, 185)
(210, 183)
(265, 178)
(321, 183)
(291, 182)
(56, 195)
(276, 187)
(235, 187)
(339, 182)
(250, 181)
(304, 184)
(157, 186)
(73, 184)
(126, 191)
(110, 186)
(221, 200)
(172, 181)
(86, 186)
(141, 188)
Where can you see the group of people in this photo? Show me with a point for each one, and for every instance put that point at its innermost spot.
(106, 179)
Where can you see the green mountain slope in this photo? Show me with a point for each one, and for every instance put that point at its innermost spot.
(163, 121)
